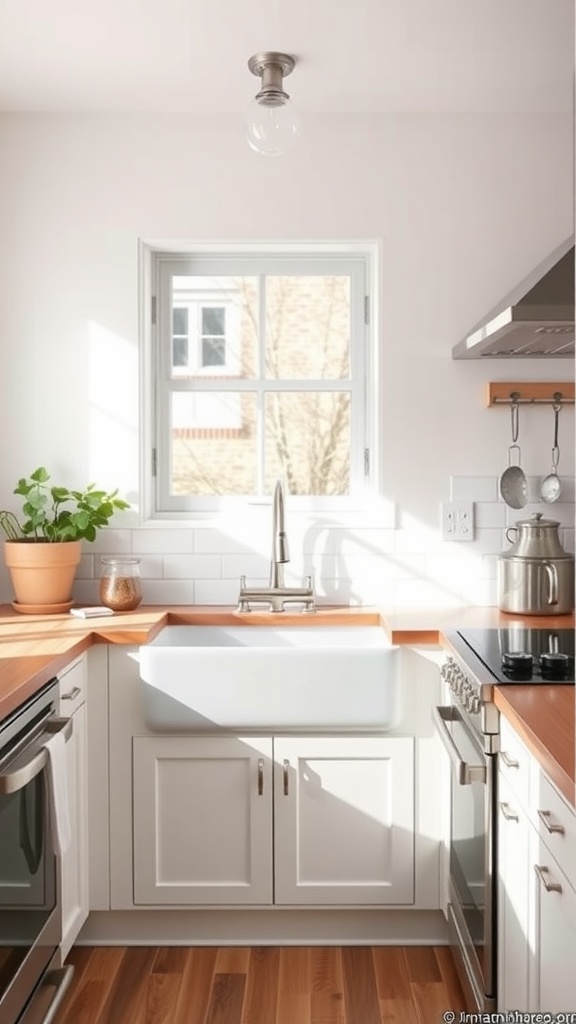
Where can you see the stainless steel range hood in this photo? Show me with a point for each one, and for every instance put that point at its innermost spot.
(536, 321)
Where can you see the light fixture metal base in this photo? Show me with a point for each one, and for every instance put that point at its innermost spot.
(259, 62)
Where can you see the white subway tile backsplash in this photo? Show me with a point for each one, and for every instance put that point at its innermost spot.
(164, 540)
(489, 514)
(354, 558)
(473, 488)
(194, 567)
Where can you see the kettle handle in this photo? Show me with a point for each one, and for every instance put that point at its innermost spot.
(511, 529)
(552, 573)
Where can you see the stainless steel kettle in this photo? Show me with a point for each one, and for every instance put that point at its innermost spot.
(536, 575)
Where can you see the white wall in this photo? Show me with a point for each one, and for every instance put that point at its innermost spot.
(464, 207)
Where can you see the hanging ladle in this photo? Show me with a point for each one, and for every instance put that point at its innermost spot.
(550, 487)
(513, 483)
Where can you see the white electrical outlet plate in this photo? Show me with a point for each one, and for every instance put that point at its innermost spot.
(458, 520)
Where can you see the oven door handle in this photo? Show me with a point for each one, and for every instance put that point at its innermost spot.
(22, 775)
(466, 773)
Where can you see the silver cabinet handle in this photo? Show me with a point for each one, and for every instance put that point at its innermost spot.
(551, 826)
(74, 692)
(465, 773)
(260, 776)
(285, 769)
(542, 873)
(22, 774)
(508, 813)
(508, 761)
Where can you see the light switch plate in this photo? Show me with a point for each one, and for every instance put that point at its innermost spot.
(458, 520)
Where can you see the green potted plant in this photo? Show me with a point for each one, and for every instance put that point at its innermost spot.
(43, 548)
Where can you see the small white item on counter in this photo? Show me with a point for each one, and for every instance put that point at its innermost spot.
(92, 612)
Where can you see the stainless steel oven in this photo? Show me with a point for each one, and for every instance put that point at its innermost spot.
(31, 982)
(469, 725)
(471, 906)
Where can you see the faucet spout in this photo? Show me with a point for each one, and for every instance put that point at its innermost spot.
(280, 549)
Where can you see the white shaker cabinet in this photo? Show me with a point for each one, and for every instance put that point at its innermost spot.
(202, 820)
(513, 899)
(74, 861)
(536, 886)
(344, 820)
(334, 817)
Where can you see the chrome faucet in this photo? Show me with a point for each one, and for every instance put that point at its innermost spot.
(277, 594)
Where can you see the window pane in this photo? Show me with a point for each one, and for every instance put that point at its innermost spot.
(308, 441)
(213, 352)
(180, 321)
(180, 351)
(224, 308)
(213, 443)
(308, 328)
(214, 321)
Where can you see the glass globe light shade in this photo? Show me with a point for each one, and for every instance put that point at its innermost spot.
(271, 127)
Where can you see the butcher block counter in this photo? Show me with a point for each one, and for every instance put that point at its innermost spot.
(34, 648)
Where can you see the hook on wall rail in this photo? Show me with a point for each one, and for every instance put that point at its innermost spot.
(536, 392)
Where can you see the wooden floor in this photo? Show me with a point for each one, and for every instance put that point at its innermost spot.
(261, 985)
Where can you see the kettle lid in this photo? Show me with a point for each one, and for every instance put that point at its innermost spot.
(537, 519)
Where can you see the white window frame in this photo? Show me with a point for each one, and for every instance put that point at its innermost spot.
(157, 506)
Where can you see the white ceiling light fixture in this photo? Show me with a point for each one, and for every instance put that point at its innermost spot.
(271, 120)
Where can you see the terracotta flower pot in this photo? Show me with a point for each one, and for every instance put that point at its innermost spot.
(42, 573)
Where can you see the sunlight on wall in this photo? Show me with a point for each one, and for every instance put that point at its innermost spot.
(113, 451)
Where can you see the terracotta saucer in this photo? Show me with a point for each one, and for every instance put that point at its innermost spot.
(42, 609)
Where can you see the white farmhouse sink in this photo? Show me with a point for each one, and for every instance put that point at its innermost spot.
(198, 678)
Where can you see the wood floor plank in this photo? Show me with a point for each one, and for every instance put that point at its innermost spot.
(162, 997)
(127, 997)
(91, 985)
(451, 982)
(262, 986)
(360, 993)
(392, 981)
(294, 1002)
(226, 999)
(170, 960)
(232, 960)
(400, 1011)
(327, 986)
(194, 993)
(422, 964)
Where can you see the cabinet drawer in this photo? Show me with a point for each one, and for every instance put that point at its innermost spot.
(514, 762)
(73, 685)
(556, 824)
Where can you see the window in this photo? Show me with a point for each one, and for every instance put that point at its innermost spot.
(259, 366)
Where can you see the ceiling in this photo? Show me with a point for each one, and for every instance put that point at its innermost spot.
(353, 55)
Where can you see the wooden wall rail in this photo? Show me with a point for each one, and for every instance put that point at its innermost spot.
(501, 392)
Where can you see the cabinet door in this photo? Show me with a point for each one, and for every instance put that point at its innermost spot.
(74, 862)
(344, 820)
(202, 820)
(554, 987)
(513, 900)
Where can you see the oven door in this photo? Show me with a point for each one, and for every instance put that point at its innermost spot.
(471, 888)
(30, 923)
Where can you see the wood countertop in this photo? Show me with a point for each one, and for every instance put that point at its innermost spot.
(34, 648)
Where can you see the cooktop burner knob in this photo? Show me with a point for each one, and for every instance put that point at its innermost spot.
(554, 665)
(518, 664)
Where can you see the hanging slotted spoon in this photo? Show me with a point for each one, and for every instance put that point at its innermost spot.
(513, 483)
(550, 487)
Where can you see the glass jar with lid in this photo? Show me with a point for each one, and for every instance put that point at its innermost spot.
(120, 583)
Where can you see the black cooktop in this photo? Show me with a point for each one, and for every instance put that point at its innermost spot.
(520, 655)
